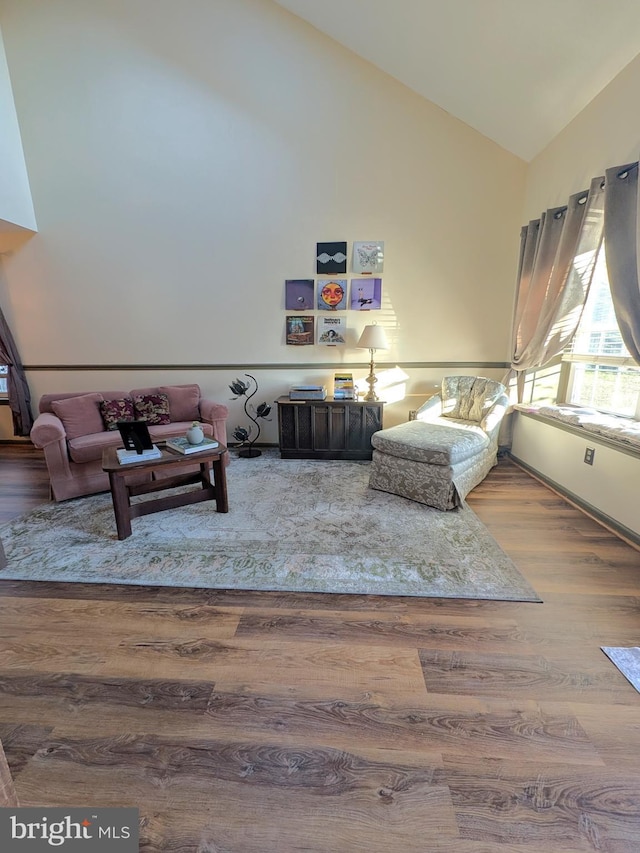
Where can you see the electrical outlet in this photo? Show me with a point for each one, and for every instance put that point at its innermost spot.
(589, 453)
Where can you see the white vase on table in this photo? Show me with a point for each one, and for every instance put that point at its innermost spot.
(195, 435)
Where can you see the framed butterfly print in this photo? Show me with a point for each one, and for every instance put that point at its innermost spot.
(368, 258)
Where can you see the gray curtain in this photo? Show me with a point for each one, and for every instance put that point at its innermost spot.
(557, 258)
(18, 390)
(621, 250)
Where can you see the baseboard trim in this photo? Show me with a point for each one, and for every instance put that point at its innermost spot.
(619, 530)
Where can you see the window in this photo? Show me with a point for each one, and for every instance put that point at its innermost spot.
(3, 380)
(540, 384)
(602, 374)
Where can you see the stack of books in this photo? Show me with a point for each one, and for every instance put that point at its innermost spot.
(307, 392)
(126, 457)
(181, 445)
(343, 387)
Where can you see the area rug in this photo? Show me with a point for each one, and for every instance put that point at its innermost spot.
(628, 662)
(292, 525)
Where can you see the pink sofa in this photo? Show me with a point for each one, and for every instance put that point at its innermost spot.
(72, 432)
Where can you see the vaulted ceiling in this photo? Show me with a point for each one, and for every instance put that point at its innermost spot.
(518, 71)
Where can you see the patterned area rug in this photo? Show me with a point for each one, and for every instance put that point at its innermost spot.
(293, 525)
(628, 662)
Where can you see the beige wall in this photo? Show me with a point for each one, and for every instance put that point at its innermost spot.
(6, 424)
(183, 166)
(16, 208)
(558, 455)
(606, 133)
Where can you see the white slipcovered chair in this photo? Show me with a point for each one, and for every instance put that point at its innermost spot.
(451, 446)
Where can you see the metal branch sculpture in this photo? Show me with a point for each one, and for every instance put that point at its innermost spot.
(241, 434)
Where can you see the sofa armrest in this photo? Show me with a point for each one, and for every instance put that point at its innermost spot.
(431, 409)
(49, 434)
(216, 415)
(210, 411)
(47, 429)
(492, 420)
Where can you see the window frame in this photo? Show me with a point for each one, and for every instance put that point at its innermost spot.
(596, 334)
(568, 379)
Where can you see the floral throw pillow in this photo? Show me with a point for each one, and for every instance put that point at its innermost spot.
(152, 408)
(113, 411)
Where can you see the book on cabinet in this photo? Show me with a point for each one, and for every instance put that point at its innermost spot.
(343, 387)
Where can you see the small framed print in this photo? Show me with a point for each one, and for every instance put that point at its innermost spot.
(366, 294)
(298, 294)
(332, 331)
(135, 435)
(368, 258)
(331, 258)
(299, 332)
(332, 294)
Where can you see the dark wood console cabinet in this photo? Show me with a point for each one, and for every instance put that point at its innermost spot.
(327, 429)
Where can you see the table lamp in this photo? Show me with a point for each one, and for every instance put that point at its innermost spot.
(372, 338)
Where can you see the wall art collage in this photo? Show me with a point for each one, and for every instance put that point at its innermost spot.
(331, 292)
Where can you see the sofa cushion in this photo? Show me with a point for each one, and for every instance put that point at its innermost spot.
(88, 448)
(435, 443)
(152, 408)
(80, 415)
(184, 401)
(113, 411)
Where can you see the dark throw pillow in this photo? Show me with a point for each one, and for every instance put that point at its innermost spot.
(113, 411)
(152, 408)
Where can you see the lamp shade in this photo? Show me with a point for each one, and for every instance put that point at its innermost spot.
(373, 337)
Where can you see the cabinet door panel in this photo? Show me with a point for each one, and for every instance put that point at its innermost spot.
(337, 428)
(354, 433)
(305, 427)
(328, 430)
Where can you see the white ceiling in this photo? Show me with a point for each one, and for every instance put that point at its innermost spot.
(517, 71)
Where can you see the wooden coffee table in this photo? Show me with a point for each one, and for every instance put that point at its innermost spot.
(123, 489)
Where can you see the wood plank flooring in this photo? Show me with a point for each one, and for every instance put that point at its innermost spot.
(252, 722)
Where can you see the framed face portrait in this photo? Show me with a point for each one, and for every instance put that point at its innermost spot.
(332, 294)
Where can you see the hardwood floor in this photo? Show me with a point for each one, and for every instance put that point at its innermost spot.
(242, 722)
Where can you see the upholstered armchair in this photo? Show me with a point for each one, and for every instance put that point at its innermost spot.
(451, 446)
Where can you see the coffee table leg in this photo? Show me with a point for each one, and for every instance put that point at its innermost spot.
(220, 486)
(121, 505)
